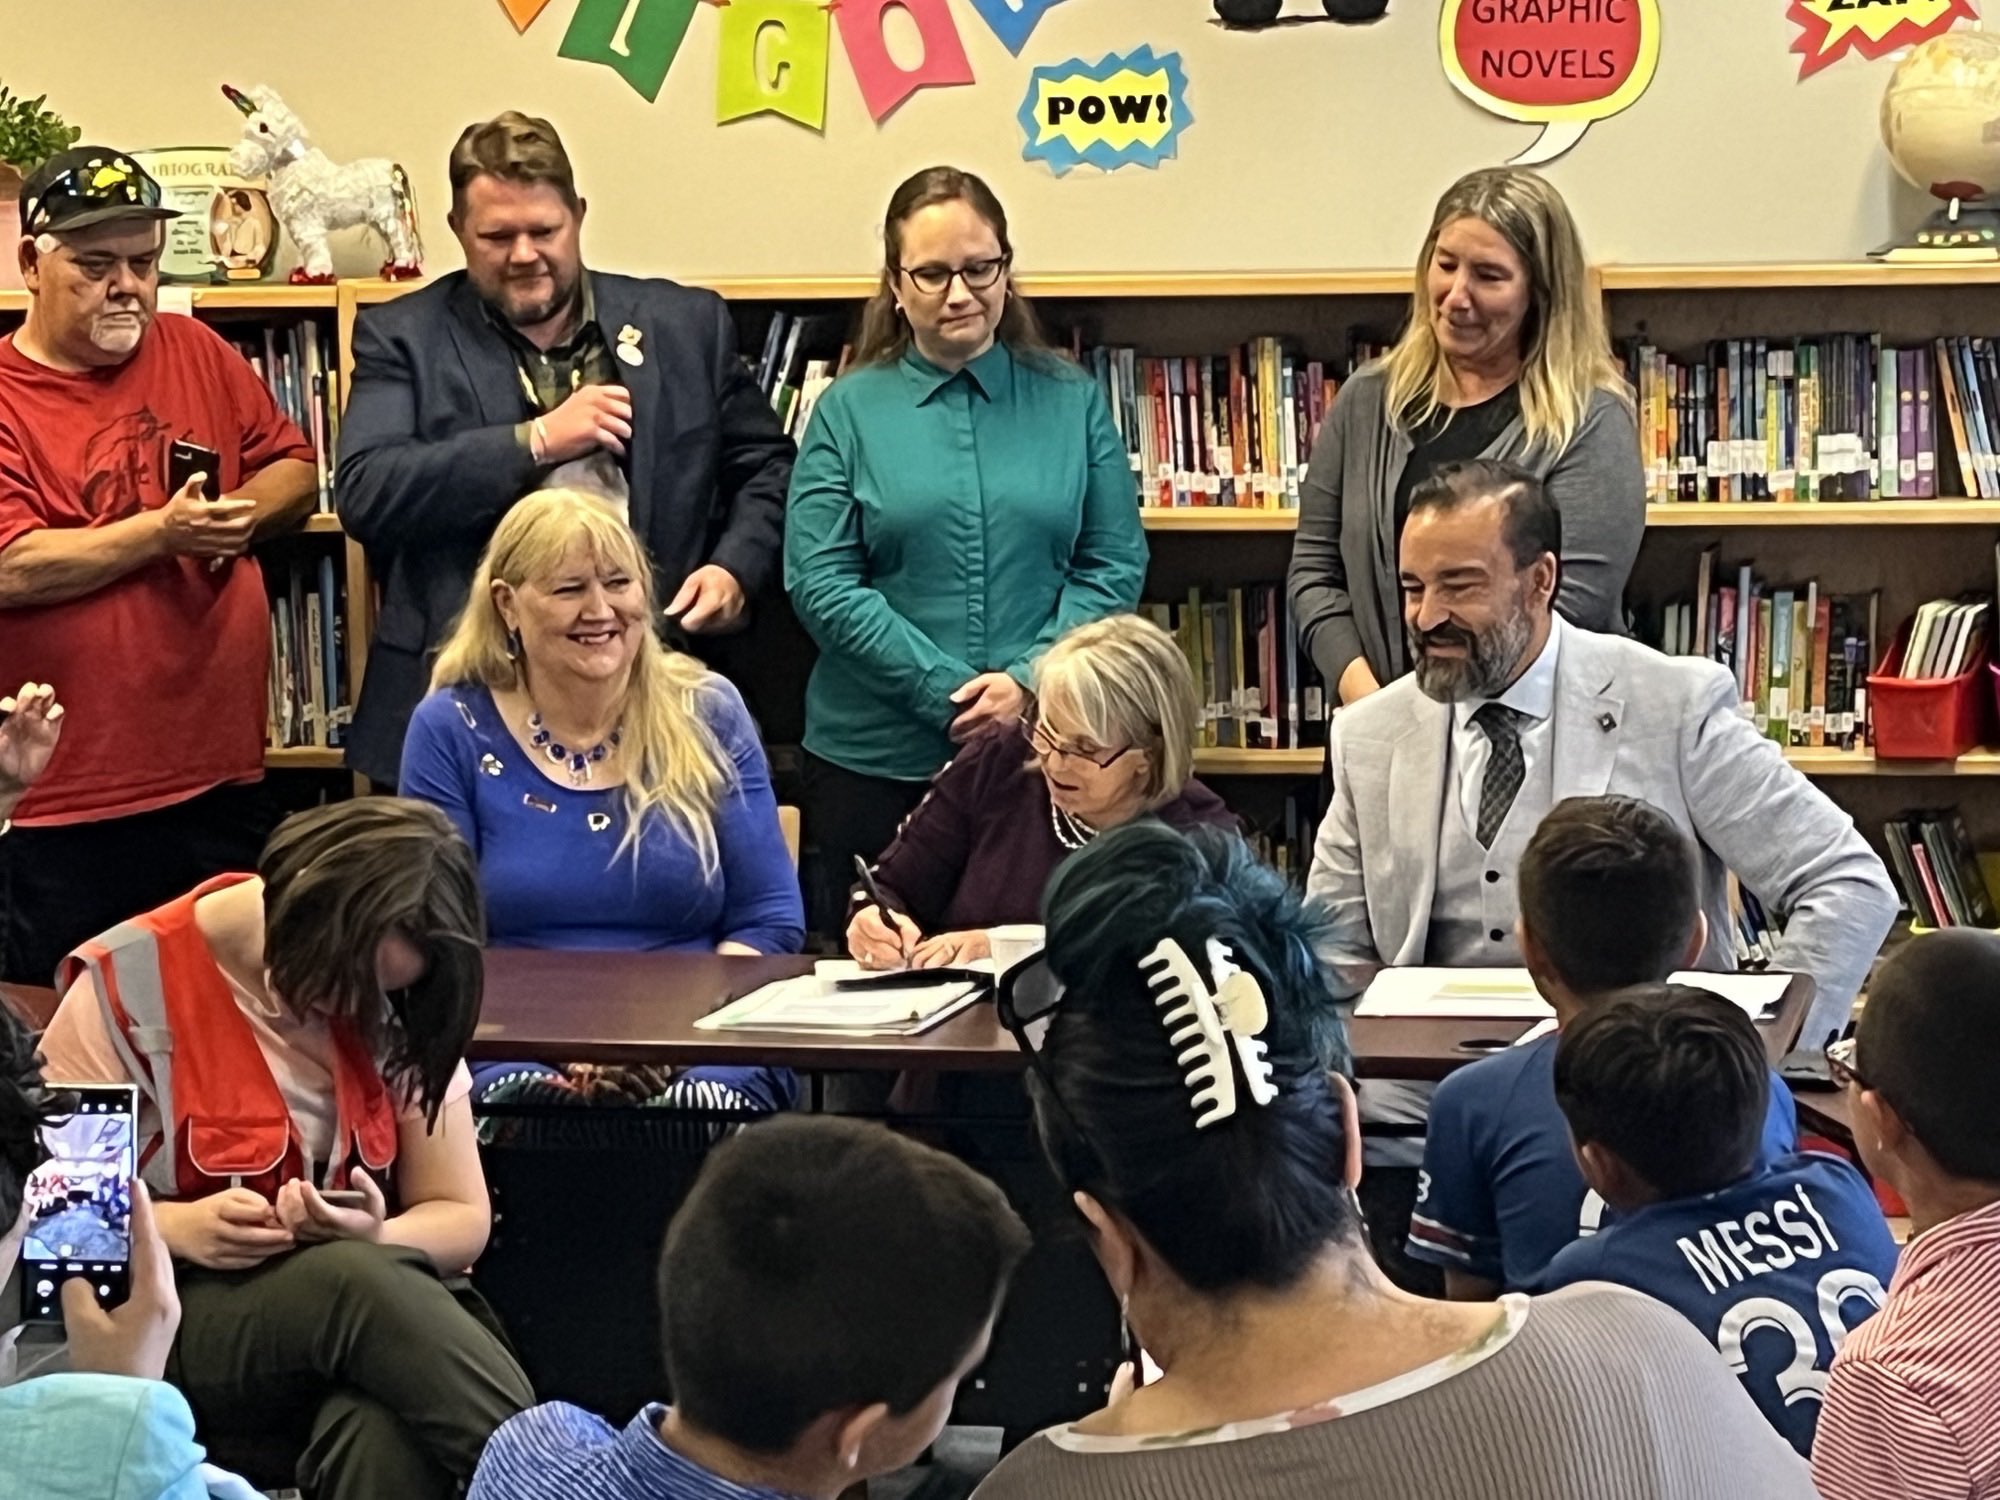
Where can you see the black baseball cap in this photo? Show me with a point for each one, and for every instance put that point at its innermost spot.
(88, 185)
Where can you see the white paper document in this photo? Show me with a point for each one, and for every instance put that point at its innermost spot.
(811, 1003)
(1509, 994)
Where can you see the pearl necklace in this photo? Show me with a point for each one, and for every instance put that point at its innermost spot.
(579, 763)
(1071, 832)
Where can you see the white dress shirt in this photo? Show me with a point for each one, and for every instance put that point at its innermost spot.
(1533, 693)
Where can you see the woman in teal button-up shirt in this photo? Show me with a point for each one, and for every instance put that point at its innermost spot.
(961, 499)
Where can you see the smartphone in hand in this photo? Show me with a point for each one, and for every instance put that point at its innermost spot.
(79, 1204)
(185, 460)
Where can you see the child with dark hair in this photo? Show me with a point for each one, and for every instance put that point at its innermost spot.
(1913, 1408)
(1610, 897)
(1775, 1262)
(1182, 1095)
(296, 1037)
(824, 1289)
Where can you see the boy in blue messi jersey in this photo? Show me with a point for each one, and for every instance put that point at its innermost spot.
(1665, 1090)
(1609, 899)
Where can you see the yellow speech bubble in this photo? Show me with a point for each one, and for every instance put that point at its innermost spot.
(1128, 109)
(1830, 29)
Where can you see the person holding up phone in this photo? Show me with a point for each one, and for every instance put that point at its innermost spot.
(132, 590)
(107, 1424)
(296, 1037)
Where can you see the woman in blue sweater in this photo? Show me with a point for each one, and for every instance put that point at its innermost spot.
(614, 791)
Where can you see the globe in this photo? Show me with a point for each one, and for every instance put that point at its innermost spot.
(1941, 123)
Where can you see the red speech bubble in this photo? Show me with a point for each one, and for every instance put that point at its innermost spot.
(1558, 63)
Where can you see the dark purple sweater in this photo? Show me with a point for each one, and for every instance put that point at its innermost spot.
(979, 849)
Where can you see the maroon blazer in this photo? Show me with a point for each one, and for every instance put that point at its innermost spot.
(980, 847)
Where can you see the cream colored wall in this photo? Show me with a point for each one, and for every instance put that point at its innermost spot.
(1314, 146)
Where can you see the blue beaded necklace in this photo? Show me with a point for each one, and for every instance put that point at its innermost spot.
(579, 763)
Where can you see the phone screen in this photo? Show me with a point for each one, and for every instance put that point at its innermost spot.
(80, 1205)
(185, 460)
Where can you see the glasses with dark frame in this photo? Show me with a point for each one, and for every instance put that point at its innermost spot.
(1047, 747)
(978, 275)
(1840, 1064)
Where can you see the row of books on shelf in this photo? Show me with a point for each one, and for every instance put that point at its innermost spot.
(1934, 864)
(307, 703)
(1285, 840)
(1947, 639)
(791, 379)
(301, 367)
(1233, 429)
(1840, 416)
(1257, 689)
(1801, 656)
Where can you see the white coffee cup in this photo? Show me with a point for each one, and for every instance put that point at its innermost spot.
(1014, 942)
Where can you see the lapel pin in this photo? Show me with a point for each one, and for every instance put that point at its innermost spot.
(1606, 723)
(628, 346)
(598, 821)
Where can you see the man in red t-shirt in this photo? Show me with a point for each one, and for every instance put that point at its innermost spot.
(144, 607)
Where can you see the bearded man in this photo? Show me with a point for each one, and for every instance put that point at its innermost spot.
(528, 371)
(137, 595)
(1440, 779)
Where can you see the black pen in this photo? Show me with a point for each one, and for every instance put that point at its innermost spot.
(881, 903)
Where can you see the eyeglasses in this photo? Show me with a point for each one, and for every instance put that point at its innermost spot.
(977, 275)
(97, 181)
(1047, 747)
(1840, 1064)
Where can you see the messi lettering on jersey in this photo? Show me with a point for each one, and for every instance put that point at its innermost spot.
(1733, 1251)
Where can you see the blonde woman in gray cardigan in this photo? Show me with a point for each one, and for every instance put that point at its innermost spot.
(1181, 1097)
(1505, 356)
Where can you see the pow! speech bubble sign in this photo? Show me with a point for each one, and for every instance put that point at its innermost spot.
(1128, 110)
(1830, 29)
(1561, 64)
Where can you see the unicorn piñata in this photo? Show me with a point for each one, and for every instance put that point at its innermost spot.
(312, 196)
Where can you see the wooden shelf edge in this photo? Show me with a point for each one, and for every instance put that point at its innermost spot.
(1216, 518)
(324, 523)
(1945, 512)
(1216, 761)
(1783, 275)
(304, 758)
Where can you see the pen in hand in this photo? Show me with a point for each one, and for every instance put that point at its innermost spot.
(881, 904)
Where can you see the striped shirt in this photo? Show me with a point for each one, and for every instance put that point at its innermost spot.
(560, 1452)
(1590, 1393)
(1913, 1406)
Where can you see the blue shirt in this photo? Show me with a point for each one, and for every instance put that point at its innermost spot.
(1774, 1271)
(560, 1452)
(549, 860)
(943, 524)
(1500, 1192)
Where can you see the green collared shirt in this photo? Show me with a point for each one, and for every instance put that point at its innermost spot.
(550, 377)
(945, 524)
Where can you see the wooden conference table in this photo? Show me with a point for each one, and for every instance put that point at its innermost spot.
(640, 1009)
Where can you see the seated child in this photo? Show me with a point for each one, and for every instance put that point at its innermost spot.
(1776, 1262)
(1609, 898)
(1913, 1409)
(297, 1040)
(824, 1289)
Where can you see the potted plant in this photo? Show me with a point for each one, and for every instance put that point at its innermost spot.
(29, 136)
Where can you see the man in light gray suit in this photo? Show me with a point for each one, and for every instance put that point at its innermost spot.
(1440, 778)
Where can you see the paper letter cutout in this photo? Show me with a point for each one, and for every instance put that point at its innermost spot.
(1014, 21)
(883, 84)
(636, 39)
(523, 12)
(1127, 110)
(772, 58)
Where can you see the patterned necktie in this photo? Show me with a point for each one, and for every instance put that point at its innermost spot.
(1504, 768)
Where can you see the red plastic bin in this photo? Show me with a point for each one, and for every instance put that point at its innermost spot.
(1928, 718)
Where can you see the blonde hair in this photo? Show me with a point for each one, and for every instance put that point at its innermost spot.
(674, 764)
(1125, 682)
(1565, 349)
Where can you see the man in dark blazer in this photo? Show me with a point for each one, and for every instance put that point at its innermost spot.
(526, 371)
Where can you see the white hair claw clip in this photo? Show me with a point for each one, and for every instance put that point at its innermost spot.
(1205, 1022)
